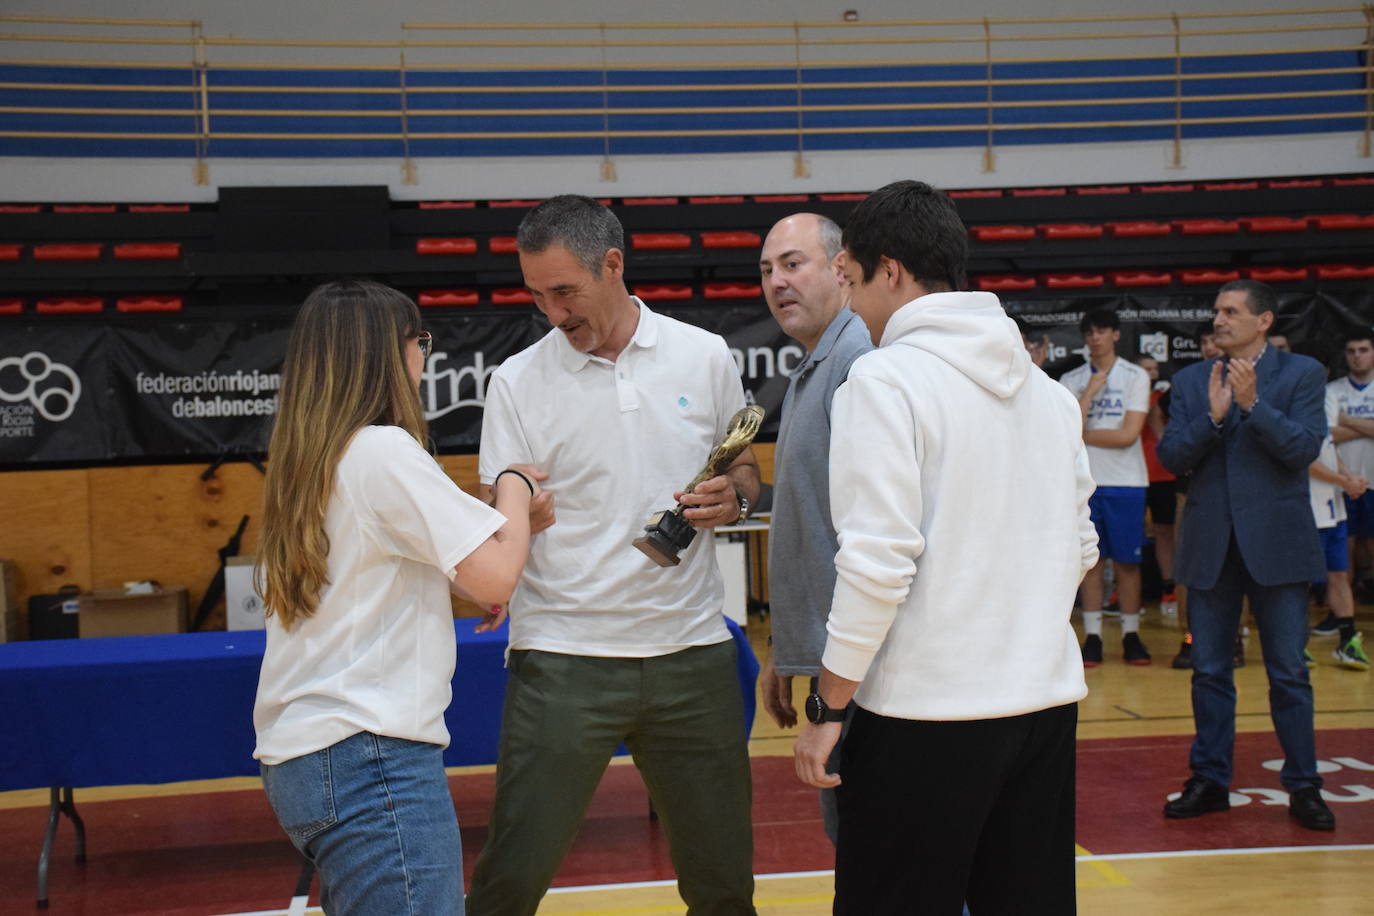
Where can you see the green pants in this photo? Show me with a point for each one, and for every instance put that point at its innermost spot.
(681, 716)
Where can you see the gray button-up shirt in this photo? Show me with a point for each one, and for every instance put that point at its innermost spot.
(801, 540)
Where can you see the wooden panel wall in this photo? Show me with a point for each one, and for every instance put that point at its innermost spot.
(102, 527)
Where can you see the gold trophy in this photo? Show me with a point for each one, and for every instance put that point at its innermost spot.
(668, 533)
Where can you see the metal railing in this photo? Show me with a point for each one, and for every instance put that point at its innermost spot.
(968, 82)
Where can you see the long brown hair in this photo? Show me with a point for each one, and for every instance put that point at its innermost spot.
(345, 368)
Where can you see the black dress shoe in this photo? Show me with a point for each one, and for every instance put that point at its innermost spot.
(1307, 806)
(1200, 795)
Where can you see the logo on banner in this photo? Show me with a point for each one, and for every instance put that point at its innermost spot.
(1155, 346)
(441, 390)
(35, 384)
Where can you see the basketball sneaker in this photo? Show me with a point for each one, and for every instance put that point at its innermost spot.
(1168, 603)
(1092, 651)
(1351, 654)
(1184, 658)
(1134, 651)
(1328, 627)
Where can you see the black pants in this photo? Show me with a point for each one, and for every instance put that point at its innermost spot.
(933, 814)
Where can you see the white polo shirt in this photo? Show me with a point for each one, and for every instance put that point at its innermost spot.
(1127, 389)
(1328, 504)
(378, 653)
(1356, 401)
(617, 440)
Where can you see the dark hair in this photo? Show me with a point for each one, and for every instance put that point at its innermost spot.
(1357, 335)
(1206, 330)
(914, 224)
(1100, 318)
(580, 224)
(1259, 298)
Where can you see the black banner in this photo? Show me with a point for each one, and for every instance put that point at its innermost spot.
(81, 393)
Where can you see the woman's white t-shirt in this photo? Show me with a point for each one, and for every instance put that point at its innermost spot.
(379, 652)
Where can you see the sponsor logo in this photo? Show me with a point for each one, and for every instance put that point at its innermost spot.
(35, 383)
(1155, 346)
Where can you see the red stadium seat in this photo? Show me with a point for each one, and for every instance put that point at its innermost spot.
(513, 204)
(660, 241)
(1073, 281)
(1005, 282)
(1342, 222)
(9, 252)
(72, 305)
(84, 251)
(1071, 230)
(732, 291)
(1141, 278)
(447, 204)
(83, 208)
(503, 244)
(148, 251)
(1277, 274)
(21, 208)
(1207, 277)
(841, 198)
(1039, 192)
(159, 208)
(1263, 224)
(718, 199)
(1003, 233)
(446, 246)
(1104, 189)
(511, 295)
(148, 304)
(1166, 188)
(781, 198)
(1207, 226)
(730, 240)
(1139, 229)
(663, 291)
(976, 193)
(648, 201)
(11, 306)
(1230, 186)
(1352, 182)
(1288, 184)
(1345, 271)
(446, 297)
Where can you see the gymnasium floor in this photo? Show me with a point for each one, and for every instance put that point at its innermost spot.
(197, 849)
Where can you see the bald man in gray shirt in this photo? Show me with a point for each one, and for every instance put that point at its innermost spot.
(803, 286)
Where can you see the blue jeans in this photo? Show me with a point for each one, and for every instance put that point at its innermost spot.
(375, 817)
(1280, 613)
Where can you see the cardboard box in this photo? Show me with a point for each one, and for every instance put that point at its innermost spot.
(12, 628)
(243, 605)
(112, 612)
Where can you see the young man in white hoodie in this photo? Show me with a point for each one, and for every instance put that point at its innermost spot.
(959, 485)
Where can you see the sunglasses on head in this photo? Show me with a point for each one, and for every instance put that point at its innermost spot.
(426, 342)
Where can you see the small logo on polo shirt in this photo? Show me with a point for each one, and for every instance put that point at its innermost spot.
(683, 402)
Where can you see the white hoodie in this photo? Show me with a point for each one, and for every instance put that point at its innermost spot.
(959, 486)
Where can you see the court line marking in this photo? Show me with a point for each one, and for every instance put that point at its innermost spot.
(1108, 857)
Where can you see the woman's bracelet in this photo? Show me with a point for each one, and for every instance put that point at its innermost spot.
(527, 481)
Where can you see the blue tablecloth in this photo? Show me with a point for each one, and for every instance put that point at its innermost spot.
(153, 709)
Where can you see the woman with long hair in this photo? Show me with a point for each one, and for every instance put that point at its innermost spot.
(363, 537)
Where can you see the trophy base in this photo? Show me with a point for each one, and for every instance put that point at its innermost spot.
(666, 535)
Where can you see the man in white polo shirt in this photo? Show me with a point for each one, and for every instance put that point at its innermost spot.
(1114, 395)
(620, 407)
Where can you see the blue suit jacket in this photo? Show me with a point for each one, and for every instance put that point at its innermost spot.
(1250, 476)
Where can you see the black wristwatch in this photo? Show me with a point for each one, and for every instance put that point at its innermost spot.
(817, 713)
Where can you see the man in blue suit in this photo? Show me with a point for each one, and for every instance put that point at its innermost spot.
(1245, 427)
